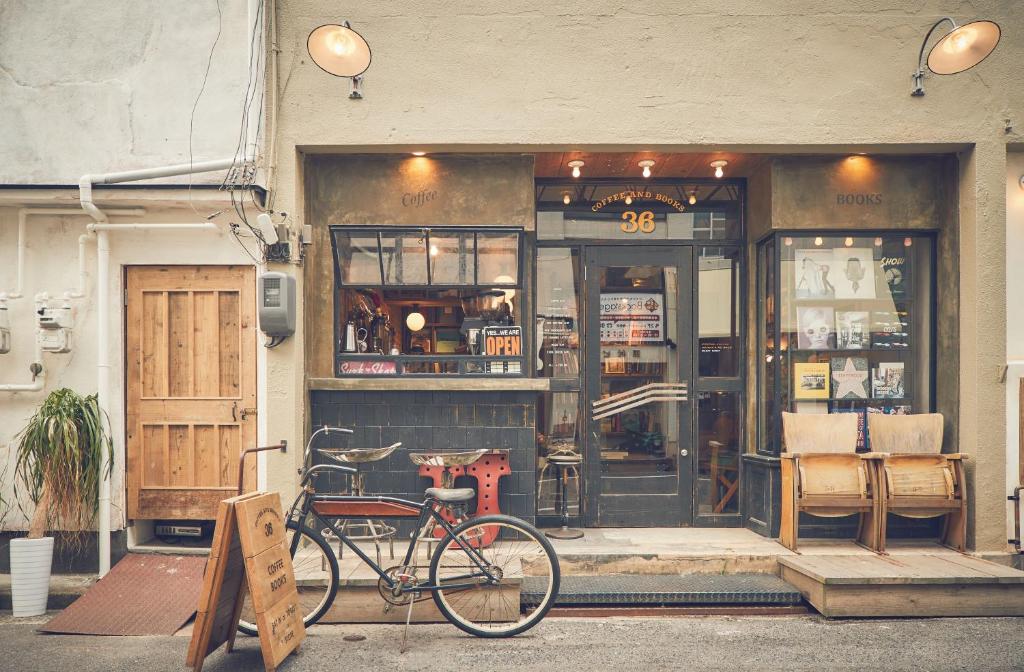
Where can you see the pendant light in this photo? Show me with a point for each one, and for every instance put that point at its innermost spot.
(415, 320)
(960, 49)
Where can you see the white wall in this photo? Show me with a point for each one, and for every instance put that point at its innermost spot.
(93, 87)
(52, 266)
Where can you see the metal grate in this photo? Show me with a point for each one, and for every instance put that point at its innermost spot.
(686, 589)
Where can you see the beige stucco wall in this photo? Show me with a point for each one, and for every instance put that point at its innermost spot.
(784, 76)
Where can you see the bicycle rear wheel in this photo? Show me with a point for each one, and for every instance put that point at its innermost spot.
(316, 578)
(523, 562)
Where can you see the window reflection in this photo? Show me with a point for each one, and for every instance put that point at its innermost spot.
(718, 453)
(718, 318)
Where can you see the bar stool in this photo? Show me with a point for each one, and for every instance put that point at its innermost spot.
(442, 468)
(366, 530)
(565, 463)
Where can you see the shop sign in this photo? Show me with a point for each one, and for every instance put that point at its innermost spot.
(632, 317)
(503, 341)
(417, 199)
(638, 196)
(369, 368)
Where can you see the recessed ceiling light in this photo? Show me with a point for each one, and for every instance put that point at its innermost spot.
(419, 153)
(646, 164)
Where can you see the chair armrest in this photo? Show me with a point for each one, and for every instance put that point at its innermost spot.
(874, 456)
(955, 456)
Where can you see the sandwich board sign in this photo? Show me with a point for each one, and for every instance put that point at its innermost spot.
(249, 554)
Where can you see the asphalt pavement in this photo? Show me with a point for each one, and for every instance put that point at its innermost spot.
(568, 645)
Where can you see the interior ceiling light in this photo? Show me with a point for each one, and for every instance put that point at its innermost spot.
(419, 153)
(692, 200)
(629, 199)
(566, 197)
(719, 167)
(340, 51)
(576, 164)
(415, 320)
(961, 48)
(646, 164)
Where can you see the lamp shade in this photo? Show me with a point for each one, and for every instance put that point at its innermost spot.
(339, 50)
(415, 321)
(963, 47)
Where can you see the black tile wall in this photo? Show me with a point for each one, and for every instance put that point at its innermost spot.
(434, 421)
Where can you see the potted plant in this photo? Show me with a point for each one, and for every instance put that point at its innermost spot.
(57, 467)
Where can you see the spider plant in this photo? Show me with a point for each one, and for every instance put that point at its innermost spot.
(58, 462)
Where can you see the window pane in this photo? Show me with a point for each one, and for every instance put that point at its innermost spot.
(718, 320)
(558, 335)
(356, 255)
(718, 456)
(451, 259)
(405, 258)
(497, 258)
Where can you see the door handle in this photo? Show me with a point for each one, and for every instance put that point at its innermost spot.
(684, 452)
(246, 412)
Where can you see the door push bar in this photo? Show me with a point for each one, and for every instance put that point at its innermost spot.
(1015, 498)
(639, 396)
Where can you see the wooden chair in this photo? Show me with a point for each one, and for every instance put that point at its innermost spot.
(824, 476)
(916, 480)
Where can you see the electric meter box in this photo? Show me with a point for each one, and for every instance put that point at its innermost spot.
(276, 292)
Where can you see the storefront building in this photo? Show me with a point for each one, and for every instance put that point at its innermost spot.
(458, 287)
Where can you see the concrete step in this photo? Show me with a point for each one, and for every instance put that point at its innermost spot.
(677, 590)
(64, 589)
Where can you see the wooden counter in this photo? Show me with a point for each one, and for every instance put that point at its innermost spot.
(431, 384)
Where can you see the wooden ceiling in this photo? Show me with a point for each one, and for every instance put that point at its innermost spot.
(624, 164)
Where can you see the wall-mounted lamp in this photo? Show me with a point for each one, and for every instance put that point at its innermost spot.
(576, 164)
(342, 52)
(961, 48)
(646, 164)
(719, 167)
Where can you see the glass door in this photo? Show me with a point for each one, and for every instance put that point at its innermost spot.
(639, 367)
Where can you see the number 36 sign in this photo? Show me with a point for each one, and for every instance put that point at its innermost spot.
(633, 222)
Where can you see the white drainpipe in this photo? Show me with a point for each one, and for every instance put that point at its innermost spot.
(102, 228)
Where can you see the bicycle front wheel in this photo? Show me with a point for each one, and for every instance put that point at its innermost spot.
(525, 575)
(316, 578)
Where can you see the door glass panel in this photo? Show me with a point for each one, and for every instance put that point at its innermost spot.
(718, 311)
(638, 409)
(718, 456)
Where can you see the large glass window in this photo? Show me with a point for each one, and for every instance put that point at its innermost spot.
(718, 320)
(428, 301)
(855, 326)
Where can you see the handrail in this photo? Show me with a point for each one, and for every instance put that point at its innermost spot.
(283, 447)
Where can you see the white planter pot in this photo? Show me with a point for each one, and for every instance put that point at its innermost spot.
(31, 560)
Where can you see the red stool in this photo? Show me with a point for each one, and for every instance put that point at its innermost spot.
(486, 467)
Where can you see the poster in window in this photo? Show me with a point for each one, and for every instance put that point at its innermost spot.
(852, 329)
(850, 377)
(854, 273)
(888, 381)
(890, 329)
(810, 380)
(633, 317)
(814, 273)
(894, 267)
(816, 326)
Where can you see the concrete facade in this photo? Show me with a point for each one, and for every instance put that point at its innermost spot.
(789, 77)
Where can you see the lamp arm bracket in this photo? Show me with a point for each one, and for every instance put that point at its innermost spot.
(917, 89)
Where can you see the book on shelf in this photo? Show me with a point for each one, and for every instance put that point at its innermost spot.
(850, 377)
(816, 328)
(894, 268)
(814, 269)
(890, 329)
(811, 407)
(853, 329)
(888, 382)
(811, 380)
(862, 425)
(854, 273)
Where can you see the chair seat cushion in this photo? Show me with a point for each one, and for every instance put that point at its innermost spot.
(451, 494)
(919, 476)
(833, 475)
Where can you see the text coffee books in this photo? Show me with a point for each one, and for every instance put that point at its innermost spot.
(888, 381)
(849, 378)
(853, 329)
(811, 380)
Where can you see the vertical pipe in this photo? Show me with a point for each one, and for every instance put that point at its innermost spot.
(103, 385)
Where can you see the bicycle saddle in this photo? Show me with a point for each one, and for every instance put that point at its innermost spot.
(451, 494)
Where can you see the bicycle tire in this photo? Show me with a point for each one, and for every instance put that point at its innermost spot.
(551, 594)
(249, 628)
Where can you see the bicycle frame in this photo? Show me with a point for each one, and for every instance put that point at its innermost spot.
(303, 507)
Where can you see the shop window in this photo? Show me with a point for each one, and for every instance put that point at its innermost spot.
(848, 328)
(718, 320)
(718, 456)
(558, 357)
(428, 301)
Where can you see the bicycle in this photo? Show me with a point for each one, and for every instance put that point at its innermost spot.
(498, 588)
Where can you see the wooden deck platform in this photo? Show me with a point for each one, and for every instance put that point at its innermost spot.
(912, 584)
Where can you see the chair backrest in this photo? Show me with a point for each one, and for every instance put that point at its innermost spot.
(813, 433)
(919, 434)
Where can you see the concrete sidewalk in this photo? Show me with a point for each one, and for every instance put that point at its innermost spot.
(64, 589)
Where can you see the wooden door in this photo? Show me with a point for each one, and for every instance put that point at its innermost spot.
(191, 387)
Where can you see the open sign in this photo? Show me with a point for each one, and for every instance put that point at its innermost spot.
(503, 341)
